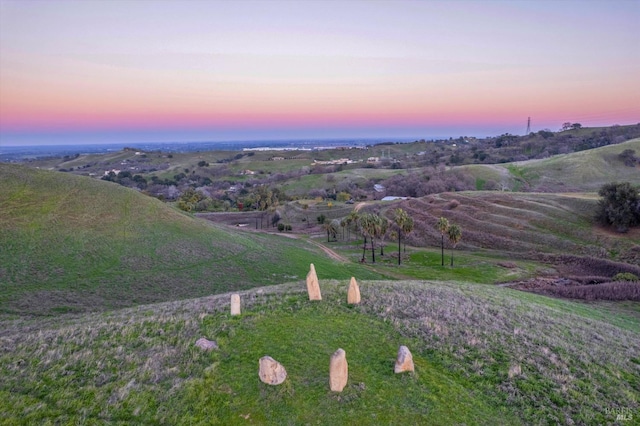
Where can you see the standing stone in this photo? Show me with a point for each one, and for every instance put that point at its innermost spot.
(313, 287)
(338, 371)
(404, 362)
(271, 371)
(235, 304)
(353, 294)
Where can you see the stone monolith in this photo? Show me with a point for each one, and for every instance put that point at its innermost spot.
(313, 287)
(271, 371)
(338, 371)
(353, 294)
(235, 304)
(404, 361)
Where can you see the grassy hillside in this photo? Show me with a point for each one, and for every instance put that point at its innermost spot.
(584, 171)
(523, 223)
(483, 355)
(71, 243)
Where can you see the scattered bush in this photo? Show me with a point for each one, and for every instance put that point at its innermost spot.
(619, 206)
(628, 157)
(343, 196)
(625, 276)
(607, 291)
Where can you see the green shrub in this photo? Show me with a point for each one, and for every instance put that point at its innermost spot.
(625, 276)
(343, 196)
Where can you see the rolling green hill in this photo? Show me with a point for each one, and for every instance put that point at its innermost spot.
(583, 171)
(483, 355)
(71, 243)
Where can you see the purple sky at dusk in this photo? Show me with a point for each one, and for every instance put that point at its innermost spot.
(170, 71)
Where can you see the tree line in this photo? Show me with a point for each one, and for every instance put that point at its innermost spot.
(376, 228)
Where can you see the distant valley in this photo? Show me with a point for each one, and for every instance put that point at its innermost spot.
(114, 264)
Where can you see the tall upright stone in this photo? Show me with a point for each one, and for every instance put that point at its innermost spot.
(353, 294)
(404, 361)
(235, 304)
(338, 371)
(271, 371)
(313, 286)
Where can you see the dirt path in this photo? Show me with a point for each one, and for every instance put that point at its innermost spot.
(329, 252)
(360, 205)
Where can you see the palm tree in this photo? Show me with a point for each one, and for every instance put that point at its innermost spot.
(406, 229)
(384, 227)
(364, 223)
(400, 217)
(335, 226)
(455, 235)
(331, 230)
(352, 218)
(375, 229)
(443, 226)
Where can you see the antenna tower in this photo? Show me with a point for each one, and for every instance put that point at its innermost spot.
(528, 126)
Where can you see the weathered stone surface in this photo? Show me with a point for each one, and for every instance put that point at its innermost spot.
(353, 294)
(313, 287)
(338, 371)
(404, 361)
(205, 344)
(235, 304)
(271, 371)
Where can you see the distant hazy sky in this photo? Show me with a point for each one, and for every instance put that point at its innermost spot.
(142, 71)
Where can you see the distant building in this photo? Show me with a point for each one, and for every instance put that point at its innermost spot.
(390, 198)
(378, 188)
(333, 162)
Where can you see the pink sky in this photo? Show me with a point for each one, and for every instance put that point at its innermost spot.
(144, 71)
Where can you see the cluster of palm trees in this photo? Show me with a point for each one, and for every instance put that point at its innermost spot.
(404, 224)
(453, 231)
(374, 227)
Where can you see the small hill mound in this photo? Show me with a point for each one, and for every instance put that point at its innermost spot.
(483, 355)
(71, 243)
(583, 171)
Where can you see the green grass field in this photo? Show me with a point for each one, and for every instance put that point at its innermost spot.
(72, 244)
(483, 355)
(583, 171)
